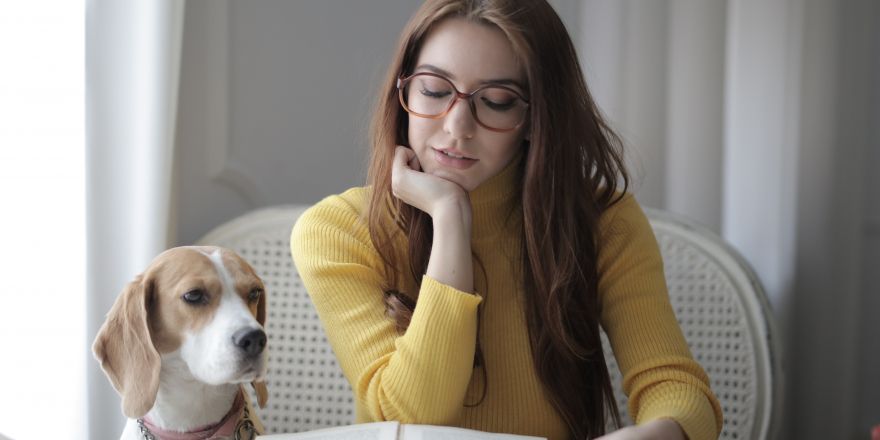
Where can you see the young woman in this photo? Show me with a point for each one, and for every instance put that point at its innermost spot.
(466, 284)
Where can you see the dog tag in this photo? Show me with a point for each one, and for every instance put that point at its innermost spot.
(244, 430)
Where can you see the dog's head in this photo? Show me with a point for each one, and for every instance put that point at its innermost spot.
(207, 304)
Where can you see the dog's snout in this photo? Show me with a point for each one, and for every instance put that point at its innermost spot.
(250, 341)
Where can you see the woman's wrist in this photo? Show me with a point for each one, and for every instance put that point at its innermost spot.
(451, 262)
(664, 428)
(452, 216)
(657, 429)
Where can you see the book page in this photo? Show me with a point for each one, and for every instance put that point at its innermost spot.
(361, 431)
(430, 432)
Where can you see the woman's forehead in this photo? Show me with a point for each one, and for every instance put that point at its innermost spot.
(469, 53)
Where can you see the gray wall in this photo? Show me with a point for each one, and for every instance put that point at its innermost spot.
(274, 102)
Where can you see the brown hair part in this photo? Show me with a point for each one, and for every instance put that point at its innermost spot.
(570, 146)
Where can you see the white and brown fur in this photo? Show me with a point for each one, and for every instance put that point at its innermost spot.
(176, 360)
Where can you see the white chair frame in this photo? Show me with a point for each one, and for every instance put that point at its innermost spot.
(718, 300)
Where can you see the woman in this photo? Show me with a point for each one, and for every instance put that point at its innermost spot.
(465, 285)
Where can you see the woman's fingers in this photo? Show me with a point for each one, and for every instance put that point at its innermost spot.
(417, 188)
(414, 163)
(399, 168)
(402, 156)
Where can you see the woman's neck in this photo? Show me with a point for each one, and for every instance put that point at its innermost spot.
(496, 201)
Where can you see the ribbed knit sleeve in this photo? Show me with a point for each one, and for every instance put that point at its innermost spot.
(420, 377)
(660, 376)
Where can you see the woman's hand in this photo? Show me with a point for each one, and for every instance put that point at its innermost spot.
(448, 205)
(659, 429)
(426, 192)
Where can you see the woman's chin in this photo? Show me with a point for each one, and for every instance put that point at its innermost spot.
(452, 177)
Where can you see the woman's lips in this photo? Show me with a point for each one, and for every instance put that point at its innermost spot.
(445, 159)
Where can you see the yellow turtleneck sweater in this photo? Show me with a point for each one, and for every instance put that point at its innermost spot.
(426, 375)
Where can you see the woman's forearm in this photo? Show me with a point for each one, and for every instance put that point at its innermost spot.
(450, 261)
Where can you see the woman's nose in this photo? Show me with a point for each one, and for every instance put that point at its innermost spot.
(460, 122)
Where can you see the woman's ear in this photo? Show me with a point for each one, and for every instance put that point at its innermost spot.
(124, 346)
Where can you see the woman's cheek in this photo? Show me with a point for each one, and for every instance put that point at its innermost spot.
(418, 133)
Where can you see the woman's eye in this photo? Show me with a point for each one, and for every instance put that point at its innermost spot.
(195, 296)
(433, 94)
(255, 295)
(499, 106)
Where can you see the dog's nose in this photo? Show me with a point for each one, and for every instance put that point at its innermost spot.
(250, 341)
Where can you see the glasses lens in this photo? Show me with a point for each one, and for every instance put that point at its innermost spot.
(428, 95)
(499, 108)
(494, 107)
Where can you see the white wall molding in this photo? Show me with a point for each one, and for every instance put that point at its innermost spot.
(222, 167)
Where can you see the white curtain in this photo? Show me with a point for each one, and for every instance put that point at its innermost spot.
(132, 70)
(740, 115)
(42, 219)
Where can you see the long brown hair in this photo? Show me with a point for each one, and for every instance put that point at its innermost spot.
(570, 146)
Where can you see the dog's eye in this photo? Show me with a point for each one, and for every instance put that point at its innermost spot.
(255, 294)
(195, 296)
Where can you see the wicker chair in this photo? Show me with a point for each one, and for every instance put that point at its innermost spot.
(719, 303)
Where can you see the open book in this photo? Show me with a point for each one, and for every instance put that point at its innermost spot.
(395, 431)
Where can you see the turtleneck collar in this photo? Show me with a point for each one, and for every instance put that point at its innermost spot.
(496, 202)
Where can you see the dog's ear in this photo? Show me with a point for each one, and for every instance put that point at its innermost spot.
(260, 387)
(124, 346)
(261, 309)
(262, 392)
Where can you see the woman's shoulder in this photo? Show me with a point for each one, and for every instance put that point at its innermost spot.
(346, 211)
(353, 201)
(333, 232)
(623, 215)
(626, 240)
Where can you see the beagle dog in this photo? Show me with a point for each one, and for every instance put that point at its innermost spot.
(181, 340)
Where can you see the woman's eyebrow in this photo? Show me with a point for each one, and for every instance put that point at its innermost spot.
(500, 81)
(434, 69)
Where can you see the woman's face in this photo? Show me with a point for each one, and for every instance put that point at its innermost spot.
(455, 147)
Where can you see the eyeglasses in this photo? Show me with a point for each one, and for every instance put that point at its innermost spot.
(495, 107)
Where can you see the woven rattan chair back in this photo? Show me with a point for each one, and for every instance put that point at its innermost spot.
(717, 299)
(725, 317)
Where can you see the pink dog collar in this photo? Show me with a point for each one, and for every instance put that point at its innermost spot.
(225, 428)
